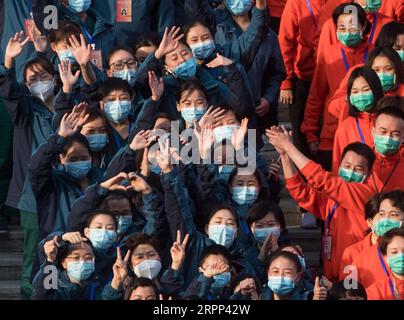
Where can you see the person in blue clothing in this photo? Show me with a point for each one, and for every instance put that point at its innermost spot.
(31, 108)
(147, 43)
(246, 287)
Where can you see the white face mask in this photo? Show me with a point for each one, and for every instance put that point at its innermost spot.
(42, 89)
(148, 269)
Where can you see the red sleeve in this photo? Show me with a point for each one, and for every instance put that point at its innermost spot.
(337, 149)
(375, 292)
(307, 197)
(350, 195)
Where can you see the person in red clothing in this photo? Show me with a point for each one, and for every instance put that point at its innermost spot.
(369, 266)
(297, 30)
(343, 227)
(276, 8)
(364, 92)
(352, 48)
(392, 250)
(392, 35)
(371, 209)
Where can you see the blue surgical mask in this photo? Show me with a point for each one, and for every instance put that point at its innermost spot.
(401, 54)
(221, 280)
(79, 5)
(117, 111)
(97, 142)
(186, 70)
(222, 234)
(192, 114)
(124, 223)
(224, 132)
(261, 234)
(80, 270)
(102, 239)
(127, 75)
(225, 172)
(239, 7)
(78, 169)
(203, 50)
(282, 286)
(66, 55)
(244, 195)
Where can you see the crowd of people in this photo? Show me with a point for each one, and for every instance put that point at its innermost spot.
(131, 135)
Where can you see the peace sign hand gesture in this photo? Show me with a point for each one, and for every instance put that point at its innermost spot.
(178, 251)
(120, 269)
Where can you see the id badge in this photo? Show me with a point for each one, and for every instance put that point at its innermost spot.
(29, 24)
(96, 58)
(124, 11)
(326, 247)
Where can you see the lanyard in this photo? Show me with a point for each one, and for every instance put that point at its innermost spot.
(372, 33)
(30, 9)
(311, 13)
(385, 271)
(92, 291)
(246, 229)
(89, 37)
(346, 63)
(360, 130)
(330, 216)
(388, 178)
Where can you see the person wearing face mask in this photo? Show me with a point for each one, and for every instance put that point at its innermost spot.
(356, 165)
(57, 187)
(364, 92)
(351, 49)
(392, 251)
(370, 264)
(284, 275)
(392, 36)
(76, 275)
(31, 108)
(213, 281)
(246, 287)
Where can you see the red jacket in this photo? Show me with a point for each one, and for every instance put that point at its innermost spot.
(296, 34)
(346, 227)
(329, 73)
(393, 9)
(351, 252)
(382, 290)
(348, 132)
(276, 7)
(369, 267)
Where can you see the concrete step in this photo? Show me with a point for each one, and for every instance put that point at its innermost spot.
(9, 290)
(12, 241)
(10, 265)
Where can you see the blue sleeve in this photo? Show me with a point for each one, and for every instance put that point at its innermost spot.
(199, 287)
(165, 14)
(109, 293)
(154, 211)
(171, 283)
(125, 160)
(39, 290)
(151, 63)
(147, 115)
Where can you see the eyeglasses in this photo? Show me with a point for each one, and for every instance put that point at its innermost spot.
(78, 258)
(120, 65)
(351, 29)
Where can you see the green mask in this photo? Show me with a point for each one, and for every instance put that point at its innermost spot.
(396, 263)
(350, 175)
(373, 5)
(386, 145)
(349, 39)
(362, 101)
(388, 80)
(384, 225)
(401, 54)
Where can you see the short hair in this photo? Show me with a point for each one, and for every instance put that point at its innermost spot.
(44, 63)
(285, 254)
(141, 238)
(261, 209)
(338, 291)
(388, 237)
(75, 138)
(215, 249)
(114, 84)
(67, 248)
(388, 34)
(191, 86)
(220, 206)
(375, 85)
(65, 30)
(361, 15)
(95, 214)
(391, 111)
(391, 101)
(140, 282)
(116, 195)
(146, 39)
(361, 149)
(372, 207)
(396, 197)
(116, 49)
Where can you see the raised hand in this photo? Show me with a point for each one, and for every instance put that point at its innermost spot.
(145, 165)
(14, 48)
(51, 249)
(219, 61)
(81, 50)
(320, 292)
(164, 156)
(217, 267)
(280, 138)
(270, 244)
(263, 108)
(178, 251)
(73, 237)
(247, 287)
(120, 269)
(66, 76)
(39, 41)
(212, 117)
(286, 96)
(142, 140)
(138, 184)
(239, 135)
(169, 43)
(71, 123)
(115, 182)
(261, 4)
(161, 297)
(274, 168)
(156, 86)
(205, 139)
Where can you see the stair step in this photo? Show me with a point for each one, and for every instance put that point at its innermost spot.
(10, 265)
(12, 241)
(10, 290)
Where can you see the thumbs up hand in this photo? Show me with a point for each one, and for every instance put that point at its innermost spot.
(320, 291)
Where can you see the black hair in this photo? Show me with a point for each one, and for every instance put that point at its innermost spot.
(75, 138)
(297, 248)
(114, 84)
(388, 34)
(116, 49)
(68, 248)
(242, 276)
(191, 86)
(44, 63)
(391, 111)
(141, 238)
(94, 214)
(220, 206)
(261, 209)
(285, 254)
(396, 197)
(140, 282)
(393, 56)
(391, 101)
(215, 249)
(360, 11)
(388, 237)
(194, 23)
(146, 39)
(361, 149)
(65, 30)
(372, 207)
(116, 195)
(338, 292)
(375, 85)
